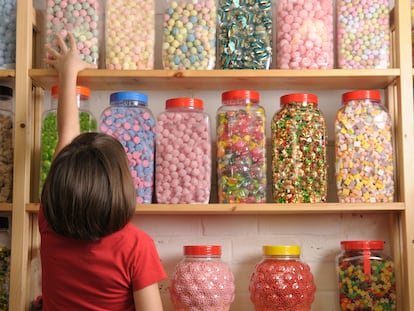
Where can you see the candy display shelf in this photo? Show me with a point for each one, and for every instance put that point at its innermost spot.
(7, 74)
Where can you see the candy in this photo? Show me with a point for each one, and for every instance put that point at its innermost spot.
(363, 34)
(129, 120)
(7, 34)
(305, 34)
(130, 34)
(189, 37)
(183, 153)
(82, 19)
(245, 34)
(4, 278)
(6, 144)
(299, 159)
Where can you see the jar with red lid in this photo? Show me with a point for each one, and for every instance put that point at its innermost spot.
(282, 281)
(183, 152)
(364, 149)
(202, 281)
(299, 155)
(366, 277)
(241, 148)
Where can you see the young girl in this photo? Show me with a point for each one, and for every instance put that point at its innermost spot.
(93, 257)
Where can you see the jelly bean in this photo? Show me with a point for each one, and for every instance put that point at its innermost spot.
(363, 34)
(6, 156)
(8, 34)
(305, 34)
(189, 37)
(245, 34)
(130, 34)
(4, 278)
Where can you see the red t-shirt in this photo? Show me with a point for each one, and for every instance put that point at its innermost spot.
(96, 275)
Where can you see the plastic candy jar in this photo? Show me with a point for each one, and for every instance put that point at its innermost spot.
(363, 34)
(49, 130)
(129, 120)
(6, 144)
(189, 36)
(130, 34)
(241, 148)
(202, 281)
(364, 149)
(83, 19)
(183, 152)
(281, 281)
(305, 34)
(8, 34)
(299, 156)
(366, 277)
(245, 34)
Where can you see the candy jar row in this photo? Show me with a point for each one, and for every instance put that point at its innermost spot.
(208, 34)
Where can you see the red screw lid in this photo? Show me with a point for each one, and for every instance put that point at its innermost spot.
(298, 97)
(81, 90)
(202, 250)
(363, 245)
(361, 94)
(240, 94)
(184, 102)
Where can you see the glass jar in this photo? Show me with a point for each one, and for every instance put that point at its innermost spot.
(202, 281)
(241, 148)
(189, 36)
(130, 34)
(129, 120)
(299, 155)
(8, 34)
(183, 157)
(7, 144)
(366, 277)
(5, 253)
(245, 34)
(49, 130)
(281, 281)
(305, 34)
(83, 19)
(364, 149)
(363, 34)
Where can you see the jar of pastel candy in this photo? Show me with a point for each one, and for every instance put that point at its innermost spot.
(7, 143)
(129, 34)
(202, 281)
(129, 119)
(241, 148)
(189, 36)
(299, 154)
(282, 281)
(8, 34)
(49, 129)
(84, 19)
(366, 277)
(304, 38)
(245, 34)
(363, 34)
(364, 149)
(183, 152)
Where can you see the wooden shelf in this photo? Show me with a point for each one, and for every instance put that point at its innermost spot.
(6, 207)
(333, 79)
(7, 73)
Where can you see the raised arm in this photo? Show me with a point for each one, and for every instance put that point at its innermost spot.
(68, 64)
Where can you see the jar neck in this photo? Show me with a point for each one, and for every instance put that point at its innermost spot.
(240, 102)
(300, 105)
(128, 103)
(281, 257)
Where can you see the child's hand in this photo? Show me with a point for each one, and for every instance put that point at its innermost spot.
(68, 59)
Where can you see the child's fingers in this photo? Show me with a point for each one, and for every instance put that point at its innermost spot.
(72, 41)
(61, 43)
(52, 51)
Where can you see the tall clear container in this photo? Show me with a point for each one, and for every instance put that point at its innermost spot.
(6, 144)
(129, 34)
(245, 34)
(241, 148)
(299, 154)
(183, 157)
(49, 130)
(202, 281)
(129, 119)
(8, 34)
(364, 149)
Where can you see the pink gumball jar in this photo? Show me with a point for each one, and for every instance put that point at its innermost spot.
(202, 281)
(281, 281)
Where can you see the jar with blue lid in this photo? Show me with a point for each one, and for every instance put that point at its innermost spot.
(129, 120)
(8, 34)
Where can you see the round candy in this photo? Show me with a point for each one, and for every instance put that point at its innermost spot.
(6, 156)
(8, 34)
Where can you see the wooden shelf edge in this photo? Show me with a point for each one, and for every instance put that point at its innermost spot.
(7, 73)
(6, 207)
(265, 208)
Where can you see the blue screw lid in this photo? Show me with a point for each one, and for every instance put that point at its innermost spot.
(132, 96)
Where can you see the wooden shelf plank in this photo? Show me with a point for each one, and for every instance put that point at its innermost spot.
(103, 79)
(6, 207)
(7, 73)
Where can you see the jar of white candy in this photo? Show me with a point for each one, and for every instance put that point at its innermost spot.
(6, 145)
(129, 34)
(129, 120)
(202, 281)
(8, 34)
(183, 152)
(189, 36)
(83, 19)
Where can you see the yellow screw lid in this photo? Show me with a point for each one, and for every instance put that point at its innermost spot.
(281, 250)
